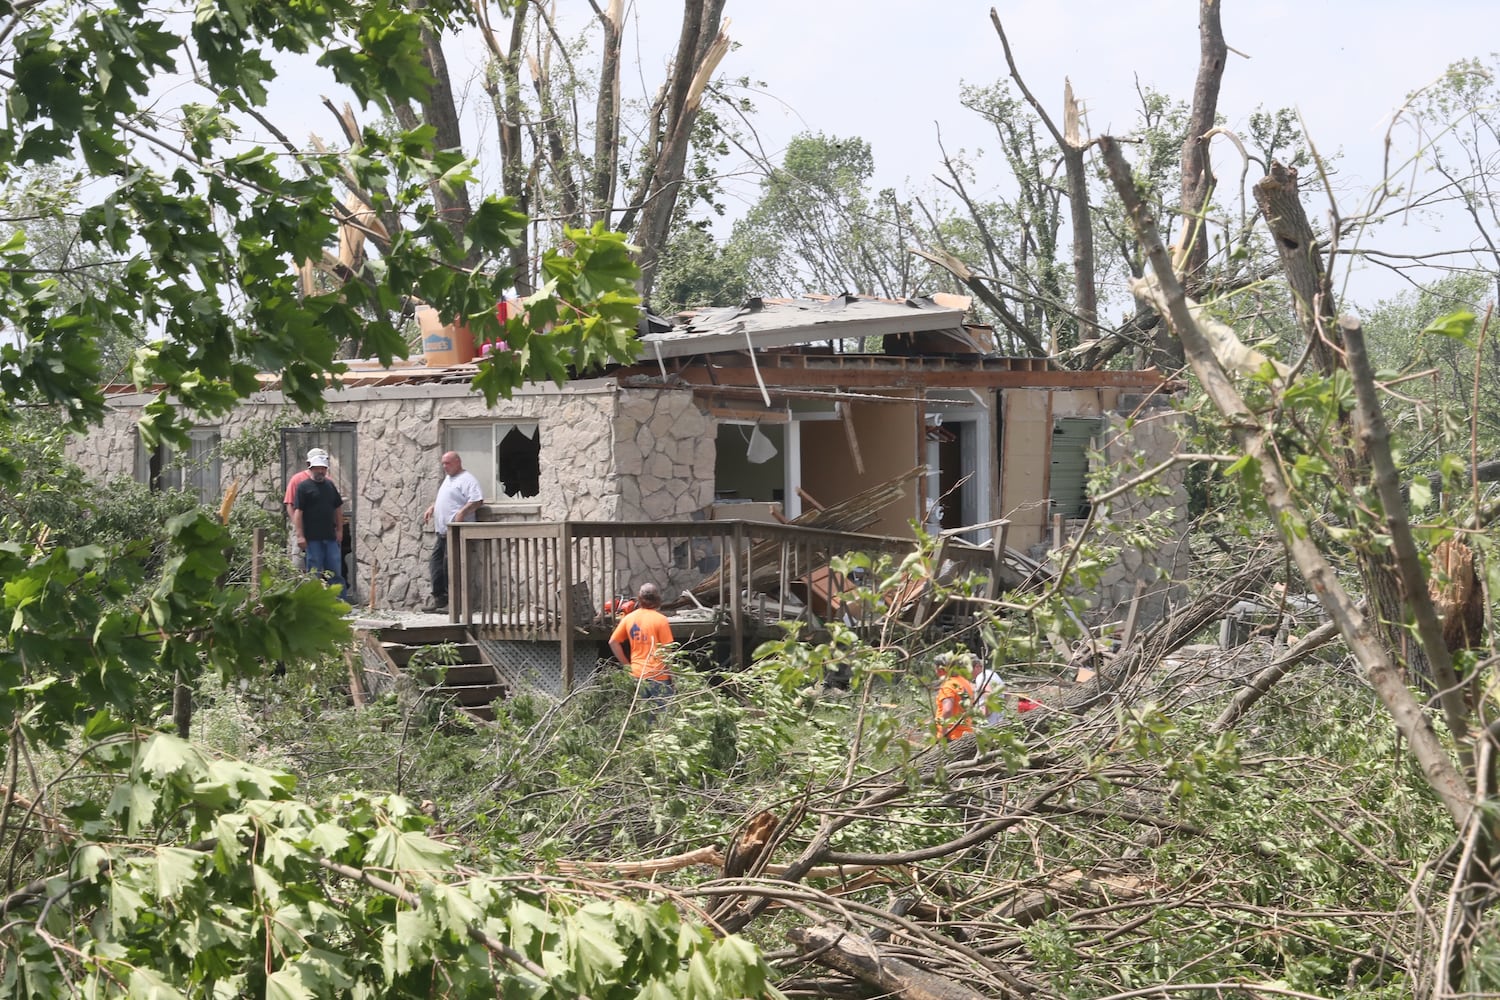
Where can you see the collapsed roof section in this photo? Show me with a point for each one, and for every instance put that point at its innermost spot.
(815, 344)
(766, 324)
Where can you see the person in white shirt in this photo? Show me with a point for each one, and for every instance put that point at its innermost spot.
(458, 496)
(987, 687)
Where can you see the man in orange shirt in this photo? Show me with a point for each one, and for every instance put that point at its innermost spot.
(955, 696)
(648, 631)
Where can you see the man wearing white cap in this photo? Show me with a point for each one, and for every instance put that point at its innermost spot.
(318, 519)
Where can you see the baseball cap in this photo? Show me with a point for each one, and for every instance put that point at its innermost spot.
(317, 457)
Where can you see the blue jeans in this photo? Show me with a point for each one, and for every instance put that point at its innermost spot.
(325, 560)
(655, 694)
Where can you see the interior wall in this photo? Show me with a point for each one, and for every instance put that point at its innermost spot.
(887, 436)
(736, 477)
(1025, 457)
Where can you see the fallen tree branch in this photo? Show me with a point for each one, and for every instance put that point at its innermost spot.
(859, 957)
(1437, 767)
(1267, 677)
(476, 933)
(710, 856)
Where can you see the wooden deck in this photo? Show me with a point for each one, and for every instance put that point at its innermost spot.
(559, 581)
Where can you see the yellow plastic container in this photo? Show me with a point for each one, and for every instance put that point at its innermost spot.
(444, 345)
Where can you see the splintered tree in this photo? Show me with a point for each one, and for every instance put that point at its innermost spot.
(567, 162)
(1316, 442)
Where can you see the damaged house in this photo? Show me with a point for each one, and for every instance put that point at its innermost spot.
(843, 414)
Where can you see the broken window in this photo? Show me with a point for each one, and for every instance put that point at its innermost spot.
(197, 471)
(518, 462)
(506, 457)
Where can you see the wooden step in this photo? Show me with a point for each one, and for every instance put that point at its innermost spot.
(417, 635)
(463, 674)
(401, 654)
(470, 695)
(469, 680)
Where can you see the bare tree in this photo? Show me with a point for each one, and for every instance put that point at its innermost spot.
(1072, 147)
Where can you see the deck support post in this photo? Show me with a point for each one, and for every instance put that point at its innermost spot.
(565, 557)
(737, 590)
(458, 576)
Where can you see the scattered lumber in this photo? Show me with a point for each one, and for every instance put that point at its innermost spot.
(852, 515)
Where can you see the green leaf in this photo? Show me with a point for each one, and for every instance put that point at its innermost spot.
(330, 838)
(286, 984)
(124, 904)
(1455, 325)
(700, 977)
(406, 851)
(166, 754)
(455, 908)
(415, 933)
(89, 861)
(176, 867)
(144, 984)
(1420, 495)
(594, 949)
(1452, 467)
(138, 800)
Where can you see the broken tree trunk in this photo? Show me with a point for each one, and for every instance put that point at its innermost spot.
(1072, 147)
(1279, 199)
(1197, 169)
(859, 957)
(1253, 439)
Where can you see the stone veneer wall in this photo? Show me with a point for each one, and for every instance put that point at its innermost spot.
(1152, 437)
(608, 454)
(665, 452)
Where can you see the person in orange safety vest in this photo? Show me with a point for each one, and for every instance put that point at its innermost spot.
(954, 698)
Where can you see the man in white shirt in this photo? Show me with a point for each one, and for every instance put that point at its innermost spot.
(987, 687)
(458, 495)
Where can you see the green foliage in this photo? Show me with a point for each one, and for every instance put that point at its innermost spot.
(246, 887)
(1435, 331)
(582, 317)
(817, 228)
(162, 869)
(695, 272)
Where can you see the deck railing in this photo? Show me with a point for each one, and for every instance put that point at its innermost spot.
(561, 580)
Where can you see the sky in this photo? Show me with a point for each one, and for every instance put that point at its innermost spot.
(879, 69)
(891, 72)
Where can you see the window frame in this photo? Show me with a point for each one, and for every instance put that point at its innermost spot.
(487, 468)
(200, 472)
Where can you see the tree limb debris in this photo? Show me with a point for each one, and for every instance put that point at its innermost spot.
(859, 957)
(1438, 768)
